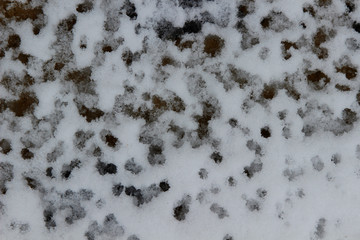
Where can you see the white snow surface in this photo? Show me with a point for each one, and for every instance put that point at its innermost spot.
(179, 119)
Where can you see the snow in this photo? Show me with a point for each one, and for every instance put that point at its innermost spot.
(180, 119)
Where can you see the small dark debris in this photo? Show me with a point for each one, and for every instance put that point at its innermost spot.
(90, 114)
(182, 208)
(26, 154)
(164, 185)
(336, 158)
(255, 166)
(216, 156)
(350, 72)
(343, 88)
(25, 104)
(193, 26)
(5, 146)
(117, 189)
(203, 173)
(233, 122)
(213, 45)
(190, 3)
(14, 41)
(265, 132)
(84, 7)
(130, 10)
(49, 173)
(317, 79)
(349, 116)
(107, 48)
(32, 183)
(49, 218)
(106, 168)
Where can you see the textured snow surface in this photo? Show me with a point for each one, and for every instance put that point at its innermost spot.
(179, 119)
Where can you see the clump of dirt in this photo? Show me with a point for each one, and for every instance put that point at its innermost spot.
(317, 79)
(90, 114)
(343, 88)
(21, 11)
(321, 36)
(269, 91)
(213, 45)
(166, 60)
(14, 41)
(285, 47)
(84, 7)
(307, 8)
(349, 71)
(184, 45)
(24, 105)
(275, 21)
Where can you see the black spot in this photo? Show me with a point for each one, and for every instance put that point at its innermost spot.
(25, 104)
(166, 31)
(49, 218)
(136, 193)
(90, 114)
(26, 154)
(111, 141)
(193, 26)
(107, 48)
(216, 156)
(233, 122)
(181, 211)
(67, 24)
(117, 189)
(164, 185)
(350, 6)
(5, 146)
(265, 132)
(14, 41)
(228, 237)
(242, 11)
(106, 168)
(49, 173)
(130, 10)
(32, 183)
(86, 6)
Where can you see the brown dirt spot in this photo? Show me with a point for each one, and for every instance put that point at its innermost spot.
(21, 12)
(5, 146)
(177, 104)
(269, 91)
(286, 45)
(127, 57)
(242, 11)
(343, 88)
(323, 3)
(14, 41)
(265, 22)
(159, 103)
(58, 66)
(24, 58)
(317, 79)
(90, 114)
(166, 60)
(25, 104)
(350, 72)
(320, 37)
(107, 48)
(26, 154)
(213, 45)
(309, 9)
(184, 45)
(86, 6)
(111, 141)
(68, 23)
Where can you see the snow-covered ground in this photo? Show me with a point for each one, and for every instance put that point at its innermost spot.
(179, 119)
